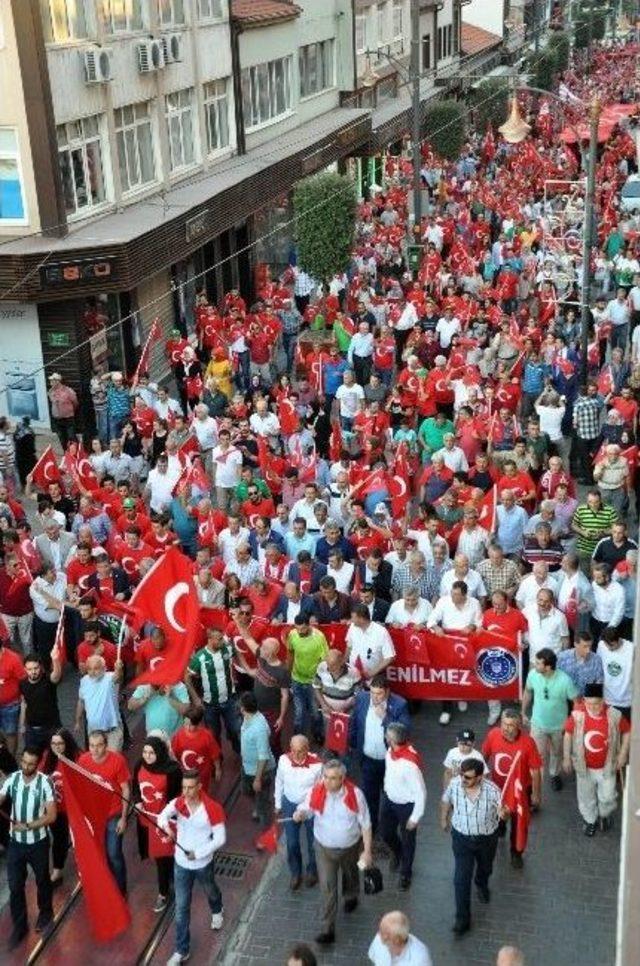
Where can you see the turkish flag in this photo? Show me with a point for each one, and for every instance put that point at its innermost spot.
(335, 442)
(84, 473)
(46, 470)
(167, 597)
(267, 841)
(188, 449)
(453, 650)
(375, 481)
(289, 420)
(109, 606)
(87, 803)
(487, 508)
(337, 737)
(516, 799)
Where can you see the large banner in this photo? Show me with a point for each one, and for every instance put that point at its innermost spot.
(482, 666)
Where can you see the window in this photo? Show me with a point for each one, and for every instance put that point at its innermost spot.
(426, 52)
(398, 14)
(63, 20)
(315, 63)
(182, 148)
(266, 91)
(449, 31)
(81, 167)
(134, 140)
(440, 53)
(11, 195)
(382, 24)
(216, 109)
(361, 33)
(121, 15)
(210, 9)
(170, 12)
(456, 30)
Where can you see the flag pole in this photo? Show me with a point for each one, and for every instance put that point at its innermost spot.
(56, 641)
(516, 759)
(108, 787)
(123, 628)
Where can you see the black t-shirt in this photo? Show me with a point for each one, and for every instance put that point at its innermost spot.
(268, 682)
(41, 700)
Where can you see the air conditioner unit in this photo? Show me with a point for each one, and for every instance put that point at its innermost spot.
(97, 65)
(150, 56)
(172, 48)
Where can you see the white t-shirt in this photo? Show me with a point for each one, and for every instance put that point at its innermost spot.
(399, 616)
(415, 953)
(349, 398)
(228, 466)
(618, 673)
(161, 488)
(342, 577)
(550, 420)
(446, 329)
(454, 759)
(371, 646)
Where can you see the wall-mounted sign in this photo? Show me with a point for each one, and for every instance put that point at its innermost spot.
(76, 272)
(58, 340)
(196, 226)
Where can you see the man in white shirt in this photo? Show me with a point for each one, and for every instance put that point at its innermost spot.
(410, 609)
(453, 457)
(455, 612)
(341, 571)
(160, 484)
(618, 314)
(370, 649)
(304, 508)
(226, 463)
(297, 773)
(47, 594)
(448, 326)
(165, 405)
(403, 800)
(231, 538)
(461, 571)
(264, 423)
(617, 663)
(340, 821)
(394, 944)
(205, 428)
(608, 608)
(349, 397)
(538, 579)
(198, 833)
(547, 626)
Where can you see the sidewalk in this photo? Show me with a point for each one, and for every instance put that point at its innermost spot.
(560, 909)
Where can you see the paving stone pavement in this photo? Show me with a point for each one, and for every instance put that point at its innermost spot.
(560, 909)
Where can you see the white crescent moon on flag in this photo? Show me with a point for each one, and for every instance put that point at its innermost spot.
(172, 597)
(184, 759)
(402, 487)
(588, 742)
(143, 795)
(153, 663)
(460, 649)
(80, 467)
(496, 764)
(45, 470)
(338, 727)
(416, 642)
(128, 565)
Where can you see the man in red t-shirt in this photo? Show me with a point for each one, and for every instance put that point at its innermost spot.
(596, 744)
(78, 569)
(11, 674)
(502, 619)
(111, 767)
(519, 482)
(92, 644)
(195, 747)
(256, 506)
(150, 651)
(499, 749)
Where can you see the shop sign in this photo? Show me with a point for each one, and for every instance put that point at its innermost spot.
(76, 272)
(99, 350)
(196, 226)
(58, 340)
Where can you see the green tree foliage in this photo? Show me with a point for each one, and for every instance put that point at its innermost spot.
(490, 103)
(325, 212)
(444, 127)
(560, 45)
(543, 69)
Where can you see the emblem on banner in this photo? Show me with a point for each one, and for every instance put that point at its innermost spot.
(496, 667)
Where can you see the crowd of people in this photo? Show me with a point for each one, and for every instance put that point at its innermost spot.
(332, 456)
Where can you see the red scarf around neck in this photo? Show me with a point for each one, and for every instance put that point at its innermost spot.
(215, 812)
(309, 760)
(408, 752)
(319, 794)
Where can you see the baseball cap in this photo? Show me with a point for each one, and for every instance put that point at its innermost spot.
(466, 735)
(129, 503)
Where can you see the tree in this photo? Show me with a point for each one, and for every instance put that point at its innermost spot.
(543, 70)
(324, 207)
(444, 125)
(490, 103)
(560, 45)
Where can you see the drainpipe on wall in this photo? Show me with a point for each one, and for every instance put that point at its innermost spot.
(235, 30)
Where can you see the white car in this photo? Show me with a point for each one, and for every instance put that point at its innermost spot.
(630, 194)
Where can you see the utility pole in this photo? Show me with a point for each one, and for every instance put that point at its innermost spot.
(587, 244)
(416, 118)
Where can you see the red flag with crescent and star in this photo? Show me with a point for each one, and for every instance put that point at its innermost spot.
(337, 737)
(515, 798)
(87, 801)
(46, 470)
(167, 597)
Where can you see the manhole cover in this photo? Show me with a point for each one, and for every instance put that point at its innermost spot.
(231, 865)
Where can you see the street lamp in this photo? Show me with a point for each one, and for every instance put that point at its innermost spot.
(514, 130)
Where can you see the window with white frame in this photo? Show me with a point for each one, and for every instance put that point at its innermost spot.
(315, 62)
(398, 19)
(182, 144)
(134, 140)
(426, 51)
(81, 164)
(361, 32)
(63, 20)
(119, 16)
(216, 110)
(171, 13)
(383, 32)
(12, 207)
(210, 9)
(266, 91)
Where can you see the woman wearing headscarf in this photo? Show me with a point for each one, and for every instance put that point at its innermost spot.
(157, 779)
(61, 742)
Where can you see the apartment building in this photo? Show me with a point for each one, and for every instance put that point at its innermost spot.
(143, 143)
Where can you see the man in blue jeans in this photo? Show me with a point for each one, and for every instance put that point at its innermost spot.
(297, 773)
(199, 832)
